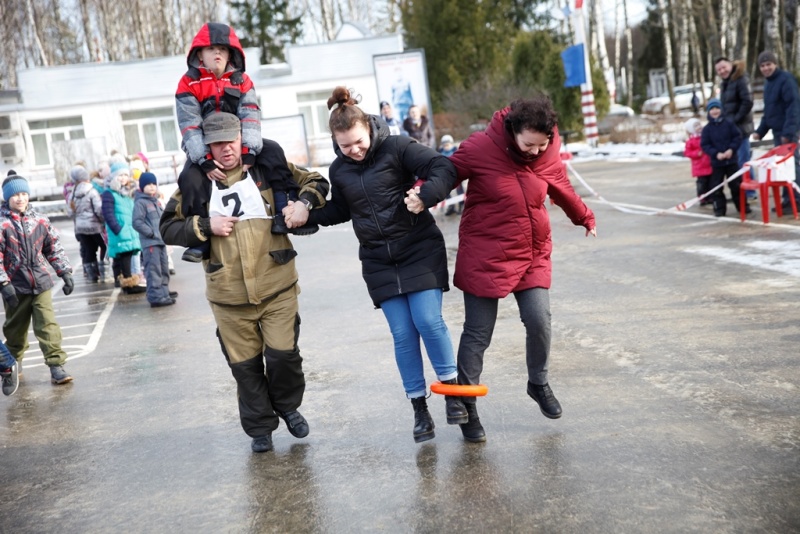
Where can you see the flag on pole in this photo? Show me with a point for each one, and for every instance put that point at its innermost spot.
(574, 65)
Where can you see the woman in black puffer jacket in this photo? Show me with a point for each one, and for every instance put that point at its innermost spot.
(403, 256)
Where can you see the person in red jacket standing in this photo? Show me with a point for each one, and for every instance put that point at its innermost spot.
(701, 163)
(505, 239)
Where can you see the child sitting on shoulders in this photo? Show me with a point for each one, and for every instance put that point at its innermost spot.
(216, 81)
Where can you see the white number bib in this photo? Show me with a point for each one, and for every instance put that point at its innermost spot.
(242, 199)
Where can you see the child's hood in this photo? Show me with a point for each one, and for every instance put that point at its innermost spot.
(215, 33)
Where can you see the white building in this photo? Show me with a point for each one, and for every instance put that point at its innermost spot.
(67, 113)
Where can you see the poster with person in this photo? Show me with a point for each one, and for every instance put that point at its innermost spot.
(402, 80)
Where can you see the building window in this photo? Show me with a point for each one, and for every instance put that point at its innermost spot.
(150, 130)
(45, 132)
(314, 107)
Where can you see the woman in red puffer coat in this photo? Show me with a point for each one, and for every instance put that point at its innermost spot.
(505, 240)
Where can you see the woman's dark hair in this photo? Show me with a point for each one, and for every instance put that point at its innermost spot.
(345, 113)
(535, 114)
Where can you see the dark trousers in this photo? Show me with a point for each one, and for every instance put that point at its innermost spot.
(718, 175)
(156, 271)
(90, 244)
(702, 187)
(260, 344)
(121, 265)
(479, 320)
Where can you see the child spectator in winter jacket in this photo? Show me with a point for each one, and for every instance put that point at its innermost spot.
(216, 81)
(85, 207)
(146, 216)
(720, 140)
(28, 242)
(701, 163)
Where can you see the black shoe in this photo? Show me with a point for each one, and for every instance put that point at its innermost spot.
(262, 443)
(193, 255)
(134, 290)
(173, 294)
(544, 397)
(473, 430)
(454, 407)
(423, 422)
(162, 303)
(296, 423)
(306, 229)
(279, 225)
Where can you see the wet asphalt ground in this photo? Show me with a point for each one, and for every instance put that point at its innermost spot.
(675, 357)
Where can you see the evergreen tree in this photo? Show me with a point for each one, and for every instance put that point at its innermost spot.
(265, 24)
(464, 41)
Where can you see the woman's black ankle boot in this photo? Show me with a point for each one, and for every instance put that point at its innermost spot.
(423, 423)
(473, 430)
(454, 407)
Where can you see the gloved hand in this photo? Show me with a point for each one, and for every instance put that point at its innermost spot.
(69, 285)
(10, 295)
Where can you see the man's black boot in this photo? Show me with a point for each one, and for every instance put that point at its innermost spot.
(454, 407)
(423, 423)
(544, 397)
(473, 430)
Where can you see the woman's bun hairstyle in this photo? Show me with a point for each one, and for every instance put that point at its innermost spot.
(345, 112)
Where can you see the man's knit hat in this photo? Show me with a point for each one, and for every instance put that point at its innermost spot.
(767, 57)
(146, 179)
(78, 174)
(15, 184)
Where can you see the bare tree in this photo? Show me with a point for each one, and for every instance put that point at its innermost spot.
(662, 7)
(629, 62)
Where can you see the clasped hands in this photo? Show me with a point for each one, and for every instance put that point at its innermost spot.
(295, 215)
(728, 154)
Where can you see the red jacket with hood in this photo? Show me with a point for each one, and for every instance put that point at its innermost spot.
(504, 237)
(201, 93)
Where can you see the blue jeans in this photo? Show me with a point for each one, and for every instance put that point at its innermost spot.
(743, 154)
(479, 320)
(411, 317)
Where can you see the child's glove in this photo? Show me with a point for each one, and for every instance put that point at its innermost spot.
(69, 285)
(10, 295)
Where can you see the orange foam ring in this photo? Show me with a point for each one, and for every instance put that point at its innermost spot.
(458, 390)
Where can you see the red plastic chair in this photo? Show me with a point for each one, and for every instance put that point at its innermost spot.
(751, 182)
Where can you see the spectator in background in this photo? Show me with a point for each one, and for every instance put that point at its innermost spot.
(720, 140)
(737, 101)
(85, 208)
(388, 116)
(123, 239)
(447, 148)
(417, 126)
(146, 216)
(701, 163)
(781, 110)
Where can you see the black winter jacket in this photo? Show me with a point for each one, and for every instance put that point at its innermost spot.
(737, 98)
(400, 252)
(718, 136)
